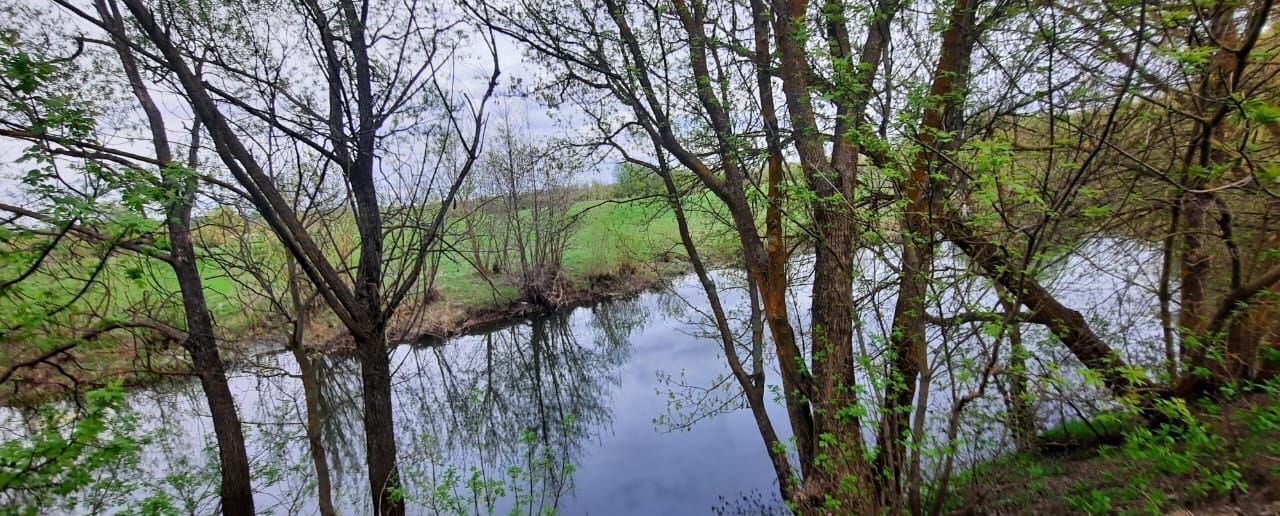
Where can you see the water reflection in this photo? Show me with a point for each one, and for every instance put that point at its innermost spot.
(616, 407)
(550, 412)
(528, 396)
(486, 422)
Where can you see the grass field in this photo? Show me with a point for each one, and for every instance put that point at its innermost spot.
(613, 239)
(612, 236)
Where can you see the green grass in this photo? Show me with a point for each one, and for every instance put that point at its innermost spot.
(635, 241)
(1218, 453)
(611, 237)
(1102, 425)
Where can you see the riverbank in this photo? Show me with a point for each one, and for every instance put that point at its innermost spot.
(444, 319)
(619, 249)
(145, 365)
(1224, 459)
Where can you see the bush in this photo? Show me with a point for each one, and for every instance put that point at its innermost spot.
(632, 181)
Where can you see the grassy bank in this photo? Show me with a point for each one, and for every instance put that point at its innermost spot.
(1219, 457)
(618, 248)
(615, 244)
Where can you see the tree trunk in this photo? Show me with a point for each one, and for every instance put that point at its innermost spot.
(836, 467)
(201, 344)
(1165, 295)
(1218, 84)
(310, 390)
(907, 345)
(908, 338)
(1022, 417)
(1246, 312)
(1066, 324)
(1195, 269)
(380, 439)
(236, 490)
(846, 475)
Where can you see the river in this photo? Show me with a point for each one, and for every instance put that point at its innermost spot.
(614, 407)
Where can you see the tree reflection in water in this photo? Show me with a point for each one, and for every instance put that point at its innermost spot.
(491, 421)
(502, 419)
(498, 420)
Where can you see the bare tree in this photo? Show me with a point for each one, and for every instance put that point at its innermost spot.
(380, 69)
(530, 209)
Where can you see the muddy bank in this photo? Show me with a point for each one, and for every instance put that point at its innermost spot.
(438, 321)
(137, 362)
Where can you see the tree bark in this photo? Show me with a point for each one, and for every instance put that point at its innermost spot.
(1066, 324)
(380, 442)
(840, 470)
(1164, 294)
(751, 382)
(1022, 417)
(731, 190)
(236, 489)
(908, 341)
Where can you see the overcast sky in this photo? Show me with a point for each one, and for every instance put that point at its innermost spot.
(470, 73)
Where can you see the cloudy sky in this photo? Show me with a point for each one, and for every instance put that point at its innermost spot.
(469, 73)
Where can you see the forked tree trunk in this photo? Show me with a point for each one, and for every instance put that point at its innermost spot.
(908, 341)
(907, 348)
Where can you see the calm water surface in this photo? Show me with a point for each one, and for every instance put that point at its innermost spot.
(616, 407)
(591, 404)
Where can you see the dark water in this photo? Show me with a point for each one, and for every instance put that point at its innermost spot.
(590, 403)
(616, 407)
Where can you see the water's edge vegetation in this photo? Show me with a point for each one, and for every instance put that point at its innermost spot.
(639, 256)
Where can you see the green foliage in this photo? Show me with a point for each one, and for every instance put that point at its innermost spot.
(526, 486)
(633, 181)
(159, 504)
(1186, 446)
(1093, 502)
(1105, 424)
(1199, 453)
(1259, 111)
(68, 453)
(1264, 418)
(27, 74)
